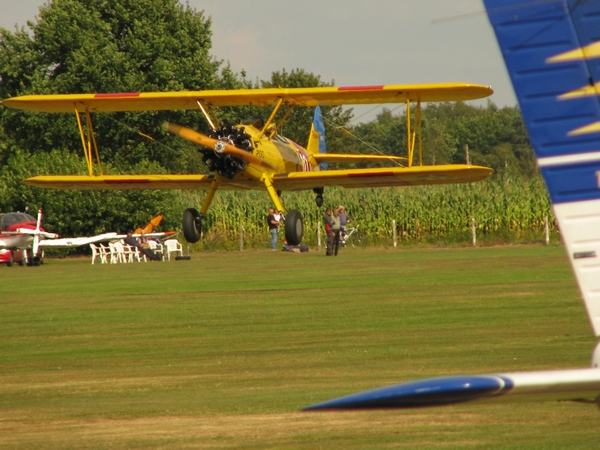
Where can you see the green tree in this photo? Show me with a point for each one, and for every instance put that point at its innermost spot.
(495, 137)
(80, 213)
(107, 46)
(387, 134)
(101, 46)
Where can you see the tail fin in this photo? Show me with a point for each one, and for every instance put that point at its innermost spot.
(149, 227)
(552, 52)
(316, 140)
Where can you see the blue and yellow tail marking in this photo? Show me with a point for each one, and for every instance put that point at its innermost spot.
(319, 127)
(552, 52)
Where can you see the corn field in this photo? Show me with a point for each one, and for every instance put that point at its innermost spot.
(504, 209)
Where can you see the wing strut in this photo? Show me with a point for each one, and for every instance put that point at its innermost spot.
(413, 135)
(285, 116)
(271, 118)
(88, 142)
(419, 132)
(206, 111)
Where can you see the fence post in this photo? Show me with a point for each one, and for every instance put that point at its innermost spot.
(394, 232)
(473, 232)
(241, 237)
(547, 230)
(319, 235)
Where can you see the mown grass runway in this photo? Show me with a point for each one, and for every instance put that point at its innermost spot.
(224, 350)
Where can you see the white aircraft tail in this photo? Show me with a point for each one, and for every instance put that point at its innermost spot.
(552, 52)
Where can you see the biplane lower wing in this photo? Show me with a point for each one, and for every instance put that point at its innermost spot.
(295, 181)
(382, 177)
(121, 182)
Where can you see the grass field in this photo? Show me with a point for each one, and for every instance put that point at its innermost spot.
(224, 350)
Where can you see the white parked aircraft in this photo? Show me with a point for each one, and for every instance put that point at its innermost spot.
(21, 231)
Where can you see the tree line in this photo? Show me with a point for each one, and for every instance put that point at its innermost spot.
(84, 46)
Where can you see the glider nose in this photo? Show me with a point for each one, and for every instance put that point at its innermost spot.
(431, 392)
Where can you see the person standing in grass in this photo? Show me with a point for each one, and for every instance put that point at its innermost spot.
(335, 228)
(273, 228)
(327, 221)
(344, 219)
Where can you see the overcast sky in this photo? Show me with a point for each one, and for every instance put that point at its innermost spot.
(353, 42)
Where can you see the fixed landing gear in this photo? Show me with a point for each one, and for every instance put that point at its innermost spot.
(192, 223)
(294, 227)
(319, 199)
(33, 260)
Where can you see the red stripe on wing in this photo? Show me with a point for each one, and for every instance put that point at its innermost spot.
(361, 88)
(371, 174)
(136, 181)
(117, 95)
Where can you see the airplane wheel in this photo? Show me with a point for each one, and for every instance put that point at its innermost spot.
(9, 263)
(29, 261)
(319, 200)
(192, 222)
(294, 227)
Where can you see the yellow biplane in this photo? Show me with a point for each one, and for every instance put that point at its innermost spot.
(252, 154)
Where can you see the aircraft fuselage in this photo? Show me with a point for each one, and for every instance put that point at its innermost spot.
(282, 155)
(10, 224)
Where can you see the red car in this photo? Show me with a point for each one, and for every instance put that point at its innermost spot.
(9, 257)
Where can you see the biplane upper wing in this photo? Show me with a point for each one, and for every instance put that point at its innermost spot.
(329, 96)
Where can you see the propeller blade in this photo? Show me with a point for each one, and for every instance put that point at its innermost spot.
(35, 248)
(220, 147)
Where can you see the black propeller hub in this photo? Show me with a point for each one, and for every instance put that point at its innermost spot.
(227, 165)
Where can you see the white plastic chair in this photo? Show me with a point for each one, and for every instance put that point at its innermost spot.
(98, 251)
(106, 250)
(132, 253)
(124, 252)
(173, 246)
(136, 254)
(156, 247)
(115, 255)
